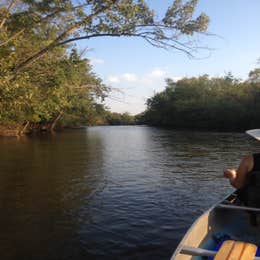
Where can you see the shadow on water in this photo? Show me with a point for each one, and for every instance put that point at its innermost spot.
(109, 192)
(44, 183)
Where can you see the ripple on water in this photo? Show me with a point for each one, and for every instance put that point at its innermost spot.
(110, 192)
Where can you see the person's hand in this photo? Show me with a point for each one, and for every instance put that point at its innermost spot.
(230, 174)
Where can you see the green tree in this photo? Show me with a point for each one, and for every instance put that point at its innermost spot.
(44, 82)
(72, 21)
(120, 119)
(254, 75)
(223, 103)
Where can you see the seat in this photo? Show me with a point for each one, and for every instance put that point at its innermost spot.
(236, 250)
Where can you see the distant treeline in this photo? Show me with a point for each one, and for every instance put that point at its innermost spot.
(103, 116)
(224, 103)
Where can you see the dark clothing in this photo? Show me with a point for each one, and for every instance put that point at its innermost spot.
(250, 194)
(256, 162)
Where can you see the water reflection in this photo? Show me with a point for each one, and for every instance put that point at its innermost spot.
(109, 192)
(44, 182)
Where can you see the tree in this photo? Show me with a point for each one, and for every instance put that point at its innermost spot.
(59, 86)
(223, 103)
(254, 75)
(43, 81)
(65, 21)
(119, 119)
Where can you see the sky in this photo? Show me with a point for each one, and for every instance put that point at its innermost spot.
(136, 70)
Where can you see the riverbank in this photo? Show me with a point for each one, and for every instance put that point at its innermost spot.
(15, 132)
(10, 131)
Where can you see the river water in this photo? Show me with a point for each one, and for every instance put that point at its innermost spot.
(123, 192)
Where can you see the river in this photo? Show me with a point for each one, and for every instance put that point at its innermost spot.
(118, 192)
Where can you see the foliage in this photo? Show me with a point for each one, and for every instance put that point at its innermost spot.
(55, 23)
(254, 75)
(44, 82)
(120, 119)
(206, 103)
(57, 85)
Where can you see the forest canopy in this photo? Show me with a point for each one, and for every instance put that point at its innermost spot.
(224, 103)
(44, 80)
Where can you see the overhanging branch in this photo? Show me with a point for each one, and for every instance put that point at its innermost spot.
(62, 36)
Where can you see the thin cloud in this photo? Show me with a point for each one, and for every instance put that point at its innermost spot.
(113, 79)
(136, 89)
(157, 73)
(94, 61)
(131, 77)
(148, 78)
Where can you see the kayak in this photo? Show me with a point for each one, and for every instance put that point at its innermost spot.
(225, 221)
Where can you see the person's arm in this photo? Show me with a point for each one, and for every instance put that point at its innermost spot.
(238, 177)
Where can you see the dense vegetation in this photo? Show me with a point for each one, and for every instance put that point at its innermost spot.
(44, 82)
(224, 103)
(103, 116)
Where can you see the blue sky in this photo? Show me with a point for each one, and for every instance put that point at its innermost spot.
(137, 70)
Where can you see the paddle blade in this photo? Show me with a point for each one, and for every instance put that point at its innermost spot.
(254, 133)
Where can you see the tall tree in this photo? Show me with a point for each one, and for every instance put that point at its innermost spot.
(254, 75)
(41, 81)
(85, 19)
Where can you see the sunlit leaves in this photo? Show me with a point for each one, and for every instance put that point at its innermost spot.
(41, 77)
(224, 103)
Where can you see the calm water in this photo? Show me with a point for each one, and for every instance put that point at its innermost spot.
(109, 192)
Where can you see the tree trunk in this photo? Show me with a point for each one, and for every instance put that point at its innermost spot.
(53, 124)
(24, 128)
